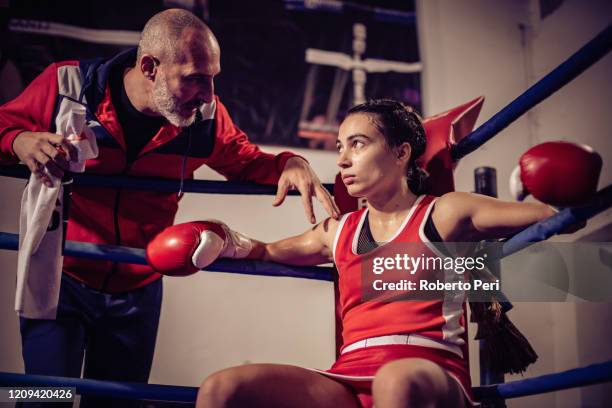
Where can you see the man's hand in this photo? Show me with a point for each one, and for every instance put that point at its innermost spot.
(40, 150)
(298, 174)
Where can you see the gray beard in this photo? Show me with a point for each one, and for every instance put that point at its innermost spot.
(168, 106)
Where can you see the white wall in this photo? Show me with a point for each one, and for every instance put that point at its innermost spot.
(230, 319)
(469, 48)
(472, 48)
(10, 346)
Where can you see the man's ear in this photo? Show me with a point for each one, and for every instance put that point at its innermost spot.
(148, 66)
(404, 151)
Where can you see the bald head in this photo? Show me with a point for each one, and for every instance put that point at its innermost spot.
(169, 33)
(178, 59)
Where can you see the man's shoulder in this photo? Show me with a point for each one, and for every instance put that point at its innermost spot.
(57, 68)
(52, 68)
(67, 63)
(98, 70)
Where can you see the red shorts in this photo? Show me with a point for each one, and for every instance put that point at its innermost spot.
(357, 368)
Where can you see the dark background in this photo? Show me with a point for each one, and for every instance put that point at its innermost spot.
(263, 47)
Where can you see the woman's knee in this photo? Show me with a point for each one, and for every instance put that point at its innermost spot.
(416, 381)
(220, 389)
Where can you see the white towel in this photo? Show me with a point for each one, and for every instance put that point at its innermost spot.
(39, 263)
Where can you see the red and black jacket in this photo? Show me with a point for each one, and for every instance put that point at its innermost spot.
(120, 216)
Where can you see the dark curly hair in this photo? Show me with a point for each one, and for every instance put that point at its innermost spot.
(399, 124)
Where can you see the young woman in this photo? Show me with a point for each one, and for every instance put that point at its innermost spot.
(394, 354)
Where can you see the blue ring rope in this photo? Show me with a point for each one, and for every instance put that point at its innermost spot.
(85, 386)
(137, 256)
(160, 184)
(556, 224)
(592, 52)
(535, 233)
(577, 377)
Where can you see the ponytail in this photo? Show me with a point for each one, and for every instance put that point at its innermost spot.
(418, 179)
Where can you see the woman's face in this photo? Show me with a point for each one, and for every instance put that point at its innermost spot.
(367, 164)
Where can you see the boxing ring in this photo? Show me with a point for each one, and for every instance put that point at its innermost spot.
(591, 374)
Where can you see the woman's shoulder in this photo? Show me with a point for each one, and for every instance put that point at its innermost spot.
(453, 201)
(331, 227)
(450, 213)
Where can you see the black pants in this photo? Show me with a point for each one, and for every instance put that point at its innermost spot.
(114, 334)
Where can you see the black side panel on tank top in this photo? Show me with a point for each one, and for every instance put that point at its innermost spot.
(366, 242)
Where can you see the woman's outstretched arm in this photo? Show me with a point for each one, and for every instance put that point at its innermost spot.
(474, 217)
(313, 247)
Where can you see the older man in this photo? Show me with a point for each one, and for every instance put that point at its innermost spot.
(154, 114)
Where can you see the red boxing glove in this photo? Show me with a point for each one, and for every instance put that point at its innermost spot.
(561, 174)
(184, 249)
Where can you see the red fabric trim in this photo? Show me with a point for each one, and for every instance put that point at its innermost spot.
(107, 115)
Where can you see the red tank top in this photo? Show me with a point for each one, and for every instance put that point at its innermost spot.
(442, 320)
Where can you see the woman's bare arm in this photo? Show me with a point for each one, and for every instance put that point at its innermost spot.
(313, 247)
(473, 217)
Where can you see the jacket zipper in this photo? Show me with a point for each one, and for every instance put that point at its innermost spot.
(115, 267)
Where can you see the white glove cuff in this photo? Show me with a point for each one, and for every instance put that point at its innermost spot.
(517, 190)
(208, 250)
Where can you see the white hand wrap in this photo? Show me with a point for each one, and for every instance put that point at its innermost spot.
(236, 245)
